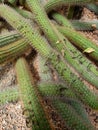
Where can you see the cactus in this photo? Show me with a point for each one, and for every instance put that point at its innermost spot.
(30, 96)
(44, 23)
(45, 76)
(85, 25)
(92, 7)
(13, 2)
(52, 4)
(9, 37)
(9, 95)
(13, 50)
(78, 107)
(80, 41)
(46, 85)
(26, 95)
(70, 110)
(73, 82)
(52, 56)
(56, 39)
(83, 71)
(69, 115)
(61, 20)
(75, 24)
(24, 28)
(26, 14)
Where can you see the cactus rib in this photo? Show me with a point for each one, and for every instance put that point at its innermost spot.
(9, 37)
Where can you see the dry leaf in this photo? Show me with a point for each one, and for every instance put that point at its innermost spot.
(89, 50)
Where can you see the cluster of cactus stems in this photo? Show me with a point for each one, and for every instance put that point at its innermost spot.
(58, 51)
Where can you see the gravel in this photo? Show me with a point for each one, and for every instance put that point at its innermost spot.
(11, 117)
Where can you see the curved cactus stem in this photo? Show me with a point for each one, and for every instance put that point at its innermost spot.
(52, 4)
(92, 7)
(26, 14)
(78, 107)
(55, 89)
(85, 25)
(13, 50)
(72, 119)
(46, 84)
(63, 21)
(31, 98)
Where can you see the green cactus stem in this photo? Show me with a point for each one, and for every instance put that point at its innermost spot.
(72, 119)
(29, 94)
(52, 4)
(63, 21)
(79, 108)
(46, 84)
(9, 37)
(81, 42)
(9, 95)
(13, 50)
(85, 25)
(92, 7)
